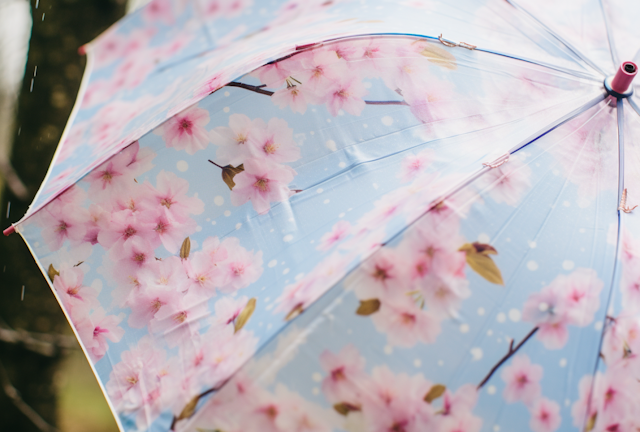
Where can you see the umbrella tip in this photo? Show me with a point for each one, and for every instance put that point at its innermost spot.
(9, 231)
(619, 85)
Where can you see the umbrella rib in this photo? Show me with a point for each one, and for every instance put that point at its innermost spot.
(559, 38)
(607, 25)
(259, 89)
(614, 277)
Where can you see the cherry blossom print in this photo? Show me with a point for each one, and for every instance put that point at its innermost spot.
(262, 182)
(98, 220)
(606, 400)
(203, 276)
(545, 416)
(522, 380)
(408, 72)
(293, 96)
(227, 310)
(62, 222)
(299, 415)
(432, 102)
(405, 323)
(170, 193)
(96, 329)
(272, 74)
(147, 303)
(296, 297)
(180, 320)
(233, 141)
(414, 165)
(568, 300)
(159, 10)
(318, 69)
(378, 275)
(338, 233)
(508, 182)
(137, 254)
(141, 382)
(396, 401)
(548, 312)
(123, 227)
(345, 373)
(215, 249)
(273, 141)
(241, 267)
(346, 94)
(72, 292)
(185, 131)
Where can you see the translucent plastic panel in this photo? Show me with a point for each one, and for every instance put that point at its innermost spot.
(169, 55)
(182, 255)
(485, 314)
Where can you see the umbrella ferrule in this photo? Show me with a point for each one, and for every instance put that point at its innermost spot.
(619, 85)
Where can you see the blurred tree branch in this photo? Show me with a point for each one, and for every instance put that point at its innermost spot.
(15, 397)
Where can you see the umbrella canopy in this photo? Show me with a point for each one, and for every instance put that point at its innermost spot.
(354, 215)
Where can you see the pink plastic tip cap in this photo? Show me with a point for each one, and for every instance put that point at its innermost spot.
(9, 231)
(624, 76)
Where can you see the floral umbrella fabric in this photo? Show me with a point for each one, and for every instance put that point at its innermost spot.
(368, 228)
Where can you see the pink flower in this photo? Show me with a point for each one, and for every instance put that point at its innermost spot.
(545, 416)
(226, 351)
(108, 180)
(171, 193)
(377, 275)
(345, 375)
(404, 322)
(262, 182)
(141, 382)
(297, 414)
(433, 101)
(318, 69)
(396, 402)
(233, 141)
(571, 299)
(185, 131)
(272, 74)
(446, 287)
(227, 310)
(295, 97)
(273, 142)
(159, 10)
(72, 293)
(137, 254)
(507, 183)
(176, 322)
(61, 222)
(346, 94)
(98, 220)
(216, 250)
(204, 275)
(94, 331)
(241, 268)
(522, 381)
(338, 233)
(123, 227)
(581, 290)
(167, 228)
(414, 164)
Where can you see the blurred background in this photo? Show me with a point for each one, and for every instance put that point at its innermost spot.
(46, 383)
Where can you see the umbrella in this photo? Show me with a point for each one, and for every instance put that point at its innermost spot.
(354, 215)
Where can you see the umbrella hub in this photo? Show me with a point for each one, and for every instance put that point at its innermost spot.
(619, 85)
